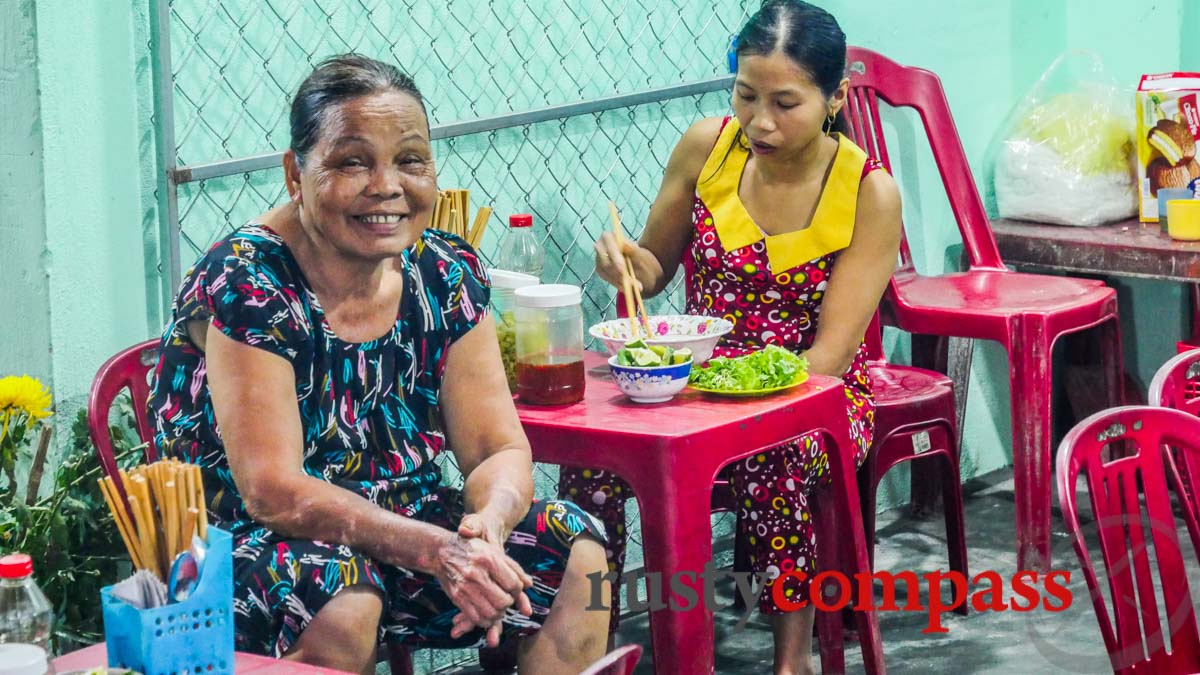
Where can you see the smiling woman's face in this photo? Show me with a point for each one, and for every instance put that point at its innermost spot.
(368, 185)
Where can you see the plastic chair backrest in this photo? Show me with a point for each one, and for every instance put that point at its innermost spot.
(1177, 385)
(874, 339)
(874, 77)
(620, 661)
(1126, 492)
(128, 369)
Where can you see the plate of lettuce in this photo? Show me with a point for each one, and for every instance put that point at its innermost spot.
(759, 373)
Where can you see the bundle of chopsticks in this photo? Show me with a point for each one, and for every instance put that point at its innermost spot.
(450, 215)
(635, 309)
(158, 507)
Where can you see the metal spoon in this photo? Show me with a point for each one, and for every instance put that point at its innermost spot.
(183, 577)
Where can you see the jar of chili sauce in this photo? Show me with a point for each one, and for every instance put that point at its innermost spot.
(549, 321)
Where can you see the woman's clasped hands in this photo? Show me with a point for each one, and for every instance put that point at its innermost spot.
(479, 577)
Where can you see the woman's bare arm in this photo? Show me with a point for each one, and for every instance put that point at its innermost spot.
(493, 454)
(860, 277)
(483, 429)
(669, 226)
(254, 399)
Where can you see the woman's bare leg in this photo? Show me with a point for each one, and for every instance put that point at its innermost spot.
(344, 634)
(573, 636)
(793, 641)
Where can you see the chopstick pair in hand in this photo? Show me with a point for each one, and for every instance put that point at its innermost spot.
(635, 308)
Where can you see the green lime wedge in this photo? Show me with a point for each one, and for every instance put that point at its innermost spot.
(644, 357)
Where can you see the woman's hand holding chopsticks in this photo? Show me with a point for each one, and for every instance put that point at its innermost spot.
(611, 256)
(615, 256)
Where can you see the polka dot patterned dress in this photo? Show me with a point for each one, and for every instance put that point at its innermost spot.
(771, 287)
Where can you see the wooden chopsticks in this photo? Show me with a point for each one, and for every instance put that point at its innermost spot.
(450, 215)
(163, 508)
(629, 285)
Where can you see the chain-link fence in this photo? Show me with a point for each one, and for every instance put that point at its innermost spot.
(551, 108)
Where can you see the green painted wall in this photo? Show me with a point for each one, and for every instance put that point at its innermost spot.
(79, 187)
(89, 55)
(24, 287)
(988, 55)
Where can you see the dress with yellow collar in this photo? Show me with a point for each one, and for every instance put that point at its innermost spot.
(771, 286)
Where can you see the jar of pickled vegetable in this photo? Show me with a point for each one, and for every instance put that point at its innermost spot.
(504, 285)
(550, 367)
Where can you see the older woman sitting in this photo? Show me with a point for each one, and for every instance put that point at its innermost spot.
(317, 361)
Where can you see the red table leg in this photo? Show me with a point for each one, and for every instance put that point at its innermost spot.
(842, 540)
(677, 537)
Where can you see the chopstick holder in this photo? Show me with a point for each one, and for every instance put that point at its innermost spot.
(195, 635)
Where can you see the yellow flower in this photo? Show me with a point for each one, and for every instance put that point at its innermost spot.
(24, 394)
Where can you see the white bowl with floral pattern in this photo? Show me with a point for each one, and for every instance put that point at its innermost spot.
(650, 384)
(677, 331)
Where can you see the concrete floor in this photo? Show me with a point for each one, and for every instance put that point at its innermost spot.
(983, 642)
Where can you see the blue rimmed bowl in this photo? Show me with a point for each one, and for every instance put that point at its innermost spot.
(653, 384)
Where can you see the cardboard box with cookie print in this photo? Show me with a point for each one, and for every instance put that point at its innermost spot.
(1168, 126)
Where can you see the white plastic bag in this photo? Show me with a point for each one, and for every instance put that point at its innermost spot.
(1068, 154)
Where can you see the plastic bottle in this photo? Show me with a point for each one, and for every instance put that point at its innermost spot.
(25, 614)
(520, 250)
(22, 659)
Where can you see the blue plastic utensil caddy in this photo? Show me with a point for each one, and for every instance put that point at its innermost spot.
(193, 636)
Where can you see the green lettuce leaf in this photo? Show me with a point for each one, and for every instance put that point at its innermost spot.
(765, 369)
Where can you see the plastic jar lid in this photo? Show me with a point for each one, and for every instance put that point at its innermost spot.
(549, 295)
(16, 566)
(21, 659)
(520, 220)
(506, 279)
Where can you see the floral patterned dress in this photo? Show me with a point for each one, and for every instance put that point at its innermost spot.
(771, 288)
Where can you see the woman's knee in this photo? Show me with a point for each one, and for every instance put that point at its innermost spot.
(344, 633)
(351, 617)
(587, 553)
(586, 593)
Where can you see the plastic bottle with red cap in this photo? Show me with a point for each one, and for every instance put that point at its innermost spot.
(25, 614)
(520, 250)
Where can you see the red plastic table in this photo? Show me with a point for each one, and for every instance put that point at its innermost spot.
(97, 655)
(670, 453)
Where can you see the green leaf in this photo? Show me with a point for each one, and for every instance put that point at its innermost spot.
(765, 369)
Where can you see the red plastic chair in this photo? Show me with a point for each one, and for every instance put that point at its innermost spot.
(1025, 313)
(1125, 493)
(620, 661)
(914, 422)
(127, 370)
(1177, 385)
(912, 406)
(130, 370)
